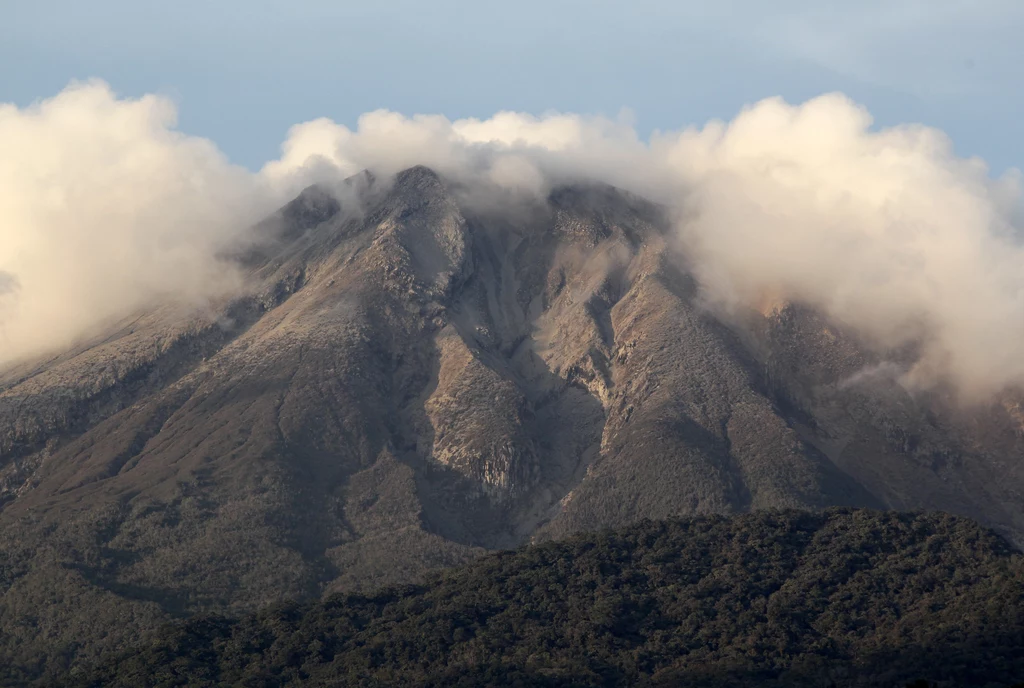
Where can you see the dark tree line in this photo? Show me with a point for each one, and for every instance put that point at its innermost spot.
(846, 598)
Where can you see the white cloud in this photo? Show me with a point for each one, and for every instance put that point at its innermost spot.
(105, 208)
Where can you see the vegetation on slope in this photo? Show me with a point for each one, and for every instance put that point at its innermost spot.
(845, 597)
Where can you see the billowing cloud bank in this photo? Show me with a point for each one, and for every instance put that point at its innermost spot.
(105, 207)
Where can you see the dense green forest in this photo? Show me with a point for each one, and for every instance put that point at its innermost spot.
(844, 597)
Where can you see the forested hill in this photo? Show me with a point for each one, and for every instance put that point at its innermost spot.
(844, 597)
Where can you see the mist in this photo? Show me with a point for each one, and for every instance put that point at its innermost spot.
(106, 208)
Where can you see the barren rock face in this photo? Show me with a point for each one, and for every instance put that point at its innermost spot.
(412, 382)
(479, 423)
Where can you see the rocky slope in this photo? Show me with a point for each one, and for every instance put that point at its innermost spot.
(418, 379)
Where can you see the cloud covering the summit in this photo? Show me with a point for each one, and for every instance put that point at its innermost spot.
(106, 208)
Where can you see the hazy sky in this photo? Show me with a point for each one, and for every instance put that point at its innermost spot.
(243, 72)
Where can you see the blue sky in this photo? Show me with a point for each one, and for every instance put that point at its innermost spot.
(243, 72)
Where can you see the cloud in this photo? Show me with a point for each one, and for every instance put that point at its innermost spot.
(106, 208)
(508, 151)
(885, 231)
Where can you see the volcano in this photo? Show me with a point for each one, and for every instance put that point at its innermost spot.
(413, 377)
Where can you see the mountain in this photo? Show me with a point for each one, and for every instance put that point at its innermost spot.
(849, 598)
(417, 375)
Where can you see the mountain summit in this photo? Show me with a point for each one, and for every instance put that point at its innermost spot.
(414, 377)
